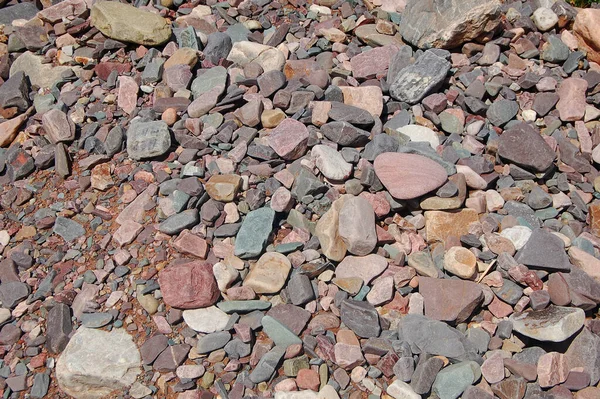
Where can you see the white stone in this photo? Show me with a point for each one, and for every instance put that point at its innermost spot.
(328, 392)
(96, 363)
(331, 163)
(4, 315)
(307, 394)
(4, 238)
(269, 58)
(206, 320)
(473, 179)
(401, 390)
(518, 235)
(225, 275)
(420, 133)
(544, 18)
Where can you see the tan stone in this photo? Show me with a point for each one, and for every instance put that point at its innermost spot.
(270, 118)
(460, 262)
(183, 56)
(327, 232)
(369, 98)
(10, 129)
(269, 274)
(586, 262)
(440, 225)
(223, 188)
(587, 30)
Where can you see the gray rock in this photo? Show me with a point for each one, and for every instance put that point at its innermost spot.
(12, 293)
(502, 111)
(361, 317)
(17, 11)
(554, 50)
(217, 47)
(380, 144)
(415, 81)
(243, 306)
(153, 347)
(425, 373)
(58, 328)
(344, 134)
(114, 141)
(175, 224)
(510, 292)
(447, 24)
(584, 351)
(254, 233)
(544, 250)
(341, 112)
(293, 317)
(68, 229)
(148, 139)
(212, 342)
(271, 81)
(41, 382)
(452, 381)
(280, 334)
(15, 91)
(555, 323)
(208, 80)
(267, 365)
(300, 289)
(96, 363)
(538, 198)
(95, 320)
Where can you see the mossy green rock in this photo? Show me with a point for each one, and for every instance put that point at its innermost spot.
(129, 24)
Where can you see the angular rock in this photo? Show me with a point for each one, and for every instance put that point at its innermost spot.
(148, 139)
(450, 300)
(554, 324)
(189, 285)
(269, 274)
(357, 226)
(254, 233)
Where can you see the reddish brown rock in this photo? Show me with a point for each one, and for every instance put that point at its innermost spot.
(448, 299)
(587, 30)
(192, 244)
(571, 105)
(289, 139)
(552, 369)
(190, 285)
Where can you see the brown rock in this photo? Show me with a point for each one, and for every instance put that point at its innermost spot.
(587, 30)
(190, 285)
(440, 225)
(448, 299)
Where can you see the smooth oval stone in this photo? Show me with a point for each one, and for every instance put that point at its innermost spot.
(408, 176)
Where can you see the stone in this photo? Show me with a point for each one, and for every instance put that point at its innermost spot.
(252, 237)
(269, 274)
(207, 320)
(128, 90)
(223, 188)
(212, 342)
(280, 334)
(40, 74)
(408, 176)
(425, 374)
(289, 139)
(95, 363)
(524, 146)
(364, 267)
(217, 47)
(417, 80)
(552, 369)
(544, 250)
(178, 222)
(331, 163)
(326, 231)
(572, 102)
(554, 324)
(12, 293)
(492, 368)
(440, 225)
(271, 81)
(347, 113)
(153, 347)
(361, 318)
(293, 317)
(9, 129)
(544, 18)
(15, 92)
(344, 134)
(460, 262)
(58, 328)
(554, 50)
(205, 102)
(584, 351)
(300, 289)
(447, 25)
(448, 299)
(148, 139)
(417, 133)
(188, 285)
(357, 226)
(371, 63)
(502, 111)
(585, 30)
(245, 52)
(401, 390)
(211, 81)
(369, 98)
(58, 126)
(452, 381)
(68, 229)
(130, 24)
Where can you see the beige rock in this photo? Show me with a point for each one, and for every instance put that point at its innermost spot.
(587, 30)
(223, 188)
(440, 225)
(9, 129)
(269, 274)
(183, 56)
(332, 245)
(369, 98)
(460, 262)
(586, 262)
(270, 118)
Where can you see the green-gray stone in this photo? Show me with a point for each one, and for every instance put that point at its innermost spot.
(292, 366)
(214, 77)
(254, 233)
(243, 306)
(279, 333)
(452, 381)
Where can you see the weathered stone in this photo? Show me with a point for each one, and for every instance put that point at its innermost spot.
(148, 139)
(449, 300)
(555, 323)
(189, 285)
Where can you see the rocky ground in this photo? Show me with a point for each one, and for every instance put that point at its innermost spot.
(299, 200)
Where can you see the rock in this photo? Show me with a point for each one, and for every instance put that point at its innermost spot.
(270, 82)
(267, 365)
(552, 369)
(460, 262)
(571, 103)
(502, 111)
(207, 320)
(585, 29)
(148, 139)
(188, 285)
(544, 18)
(357, 226)
(293, 317)
(417, 80)
(492, 368)
(555, 323)
(452, 381)
(10, 129)
(326, 231)
(128, 90)
(440, 225)
(96, 363)
(178, 222)
(12, 293)
(370, 63)
(447, 25)
(401, 390)
(217, 47)
(153, 347)
(584, 351)
(254, 233)
(364, 267)
(280, 334)
(289, 139)
(418, 133)
(361, 318)
(40, 74)
(369, 98)
(15, 92)
(211, 81)
(58, 126)
(17, 11)
(58, 328)
(331, 163)
(269, 274)
(449, 300)
(345, 134)
(544, 250)
(245, 52)
(212, 342)
(347, 113)
(554, 50)
(223, 188)
(300, 289)
(68, 229)
(425, 374)
(523, 145)
(130, 24)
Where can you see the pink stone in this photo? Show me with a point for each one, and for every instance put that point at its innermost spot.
(364, 267)
(373, 62)
(241, 293)
(162, 324)
(499, 308)
(380, 204)
(192, 244)
(190, 285)
(308, 379)
(553, 369)
(348, 356)
(287, 385)
(450, 300)
(492, 368)
(571, 105)
(281, 200)
(382, 291)
(127, 97)
(128, 231)
(289, 139)
(408, 176)
(64, 9)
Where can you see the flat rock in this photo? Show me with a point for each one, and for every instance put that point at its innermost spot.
(544, 250)
(584, 351)
(361, 318)
(555, 323)
(408, 176)
(68, 229)
(331, 163)
(40, 74)
(207, 320)
(364, 267)
(148, 139)
(357, 226)
(269, 274)
(448, 299)
(289, 139)
(252, 237)
(96, 363)
(524, 146)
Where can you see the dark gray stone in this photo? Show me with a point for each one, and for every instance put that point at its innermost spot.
(425, 373)
(267, 365)
(175, 224)
(300, 289)
(212, 342)
(502, 111)
(58, 328)
(523, 145)
(381, 143)
(545, 251)
(341, 112)
(148, 139)
(361, 317)
(218, 46)
(14, 92)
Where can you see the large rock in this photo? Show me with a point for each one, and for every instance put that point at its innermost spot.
(129, 24)
(96, 363)
(415, 81)
(587, 30)
(447, 24)
(332, 245)
(544, 250)
(449, 299)
(245, 52)
(58, 126)
(189, 285)
(584, 351)
(555, 323)
(364, 267)
(525, 147)
(148, 139)
(440, 225)
(408, 176)
(40, 74)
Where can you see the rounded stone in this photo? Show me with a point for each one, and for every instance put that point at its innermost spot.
(460, 262)
(188, 286)
(269, 274)
(408, 176)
